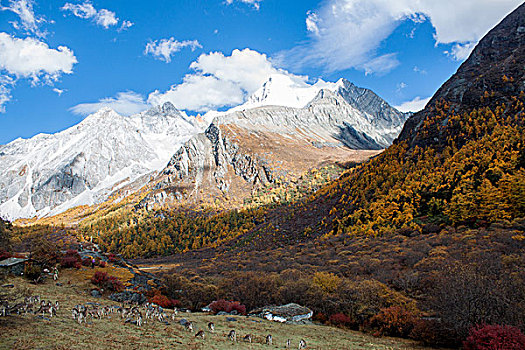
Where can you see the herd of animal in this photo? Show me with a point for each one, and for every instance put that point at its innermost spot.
(31, 305)
(133, 314)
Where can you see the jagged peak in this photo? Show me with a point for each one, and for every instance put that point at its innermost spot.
(165, 109)
(326, 95)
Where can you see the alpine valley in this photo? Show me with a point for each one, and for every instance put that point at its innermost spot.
(372, 220)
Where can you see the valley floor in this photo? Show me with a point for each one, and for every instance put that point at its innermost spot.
(62, 332)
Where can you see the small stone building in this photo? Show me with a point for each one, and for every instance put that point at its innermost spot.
(14, 266)
(290, 313)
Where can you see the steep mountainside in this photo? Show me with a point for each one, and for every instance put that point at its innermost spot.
(494, 72)
(84, 164)
(246, 148)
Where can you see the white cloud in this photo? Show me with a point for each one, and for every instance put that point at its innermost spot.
(29, 22)
(380, 65)
(102, 17)
(460, 52)
(247, 68)
(220, 81)
(125, 103)
(106, 18)
(163, 49)
(402, 85)
(311, 22)
(6, 83)
(200, 93)
(415, 105)
(419, 70)
(58, 91)
(254, 3)
(85, 10)
(469, 20)
(126, 25)
(31, 58)
(347, 33)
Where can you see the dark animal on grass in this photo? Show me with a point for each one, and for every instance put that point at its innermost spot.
(232, 335)
(188, 326)
(200, 334)
(302, 344)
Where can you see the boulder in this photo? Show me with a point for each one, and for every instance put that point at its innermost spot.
(128, 296)
(284, 313)
(95, 293)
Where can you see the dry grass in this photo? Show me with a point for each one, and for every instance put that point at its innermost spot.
(62, 332)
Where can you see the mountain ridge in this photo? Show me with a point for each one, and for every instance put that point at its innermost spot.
(106, 152)
(244, 149)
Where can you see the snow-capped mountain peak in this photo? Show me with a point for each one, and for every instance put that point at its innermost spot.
(48, 174)
(284, 90)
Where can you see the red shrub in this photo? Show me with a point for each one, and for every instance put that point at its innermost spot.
(235, 305)
(112, 258)
(227, 306)
(434, 333)
(219, 305)
(341, 320)
(164, 301)
(99, 277)
(320, 317)
(394, 321)
(494, 337)
(69, 262)
(102, 264)
(105, 281)
(86, 261)
(4, 254)
(70, 259)
(115, 284)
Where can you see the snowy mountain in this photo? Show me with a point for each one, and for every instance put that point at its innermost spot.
(348, 105)
(84, 164)
(286, 124)
(287, 91)
(284, 129)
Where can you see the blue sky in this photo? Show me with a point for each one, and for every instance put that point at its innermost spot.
(60, 60)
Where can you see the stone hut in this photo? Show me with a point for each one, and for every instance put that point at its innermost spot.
(290, 313)
(14, 266)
